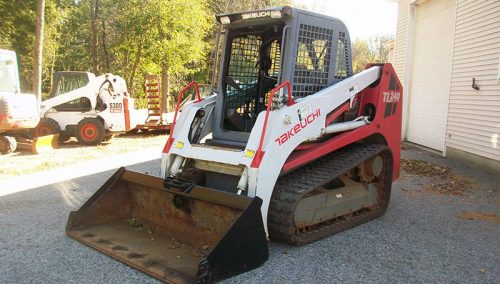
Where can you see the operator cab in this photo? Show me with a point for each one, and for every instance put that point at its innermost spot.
(68, 81)
(252, 71)
(264, 48)
(8, 72)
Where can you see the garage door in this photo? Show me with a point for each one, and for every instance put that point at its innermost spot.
(431, 72)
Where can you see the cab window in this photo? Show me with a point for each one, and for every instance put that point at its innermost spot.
(68, 83)
(8, 74)
(81, 104)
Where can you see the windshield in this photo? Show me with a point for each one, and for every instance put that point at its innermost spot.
(252, 71)
(65, 83)
(8, 73)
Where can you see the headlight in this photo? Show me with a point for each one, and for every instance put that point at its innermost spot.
(225, 20)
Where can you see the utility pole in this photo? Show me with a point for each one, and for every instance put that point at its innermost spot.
(37, 74)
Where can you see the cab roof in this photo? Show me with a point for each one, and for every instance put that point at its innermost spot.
(272, 14)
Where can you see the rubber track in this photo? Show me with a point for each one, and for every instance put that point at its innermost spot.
(292, 187)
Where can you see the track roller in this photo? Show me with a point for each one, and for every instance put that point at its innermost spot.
(330, 195)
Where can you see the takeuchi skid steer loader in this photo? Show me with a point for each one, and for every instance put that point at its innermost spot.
(293, 147)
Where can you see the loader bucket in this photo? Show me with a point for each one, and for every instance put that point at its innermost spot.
(178, 237)
(39, 144)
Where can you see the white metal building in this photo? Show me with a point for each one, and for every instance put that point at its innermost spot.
(441, 48)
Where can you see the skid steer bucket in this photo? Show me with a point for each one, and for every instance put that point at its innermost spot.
(179, 237)
(40, 144)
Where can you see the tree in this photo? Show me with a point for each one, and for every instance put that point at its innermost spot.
(18, 34)
(74, 51)
(130, 38)
(149, 36)
(373, 50)
(230, 6)
(181, 42)
(37, 73)
(94, 15)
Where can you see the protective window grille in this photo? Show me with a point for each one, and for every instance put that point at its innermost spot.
(342, 60)
(312, 63)
(276, 59)
(275, 70)
(243, 73)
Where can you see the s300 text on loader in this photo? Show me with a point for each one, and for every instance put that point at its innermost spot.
(293, 147)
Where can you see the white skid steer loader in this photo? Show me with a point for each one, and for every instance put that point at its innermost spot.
(90, 108)
(293, 147)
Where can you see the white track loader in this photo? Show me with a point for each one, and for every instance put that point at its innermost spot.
(18, 112)
(293, 147)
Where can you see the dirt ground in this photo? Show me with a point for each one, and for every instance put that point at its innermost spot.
(22, 162)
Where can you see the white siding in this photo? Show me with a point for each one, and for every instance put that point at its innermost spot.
(429, 86)
(474, 116)
(401, 54)
(401, 41)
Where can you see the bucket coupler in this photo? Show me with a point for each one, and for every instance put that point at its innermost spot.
(194, 236)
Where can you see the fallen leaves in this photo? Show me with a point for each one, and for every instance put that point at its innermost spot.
(479, 216)
(139, 227)
(457, 185)
(201, 251)
(423, 168)
(406, 146)
(443, 180)
(133, 222)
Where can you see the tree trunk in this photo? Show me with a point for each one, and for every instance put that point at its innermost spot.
(52, 65)
(165, 84)
(37, 74)
(94, 10)
(105, 48)
(136, 64)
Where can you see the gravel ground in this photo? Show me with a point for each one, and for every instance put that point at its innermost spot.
(419, 239)
(23, 162)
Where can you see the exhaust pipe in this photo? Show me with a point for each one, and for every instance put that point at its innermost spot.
(194, 236)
